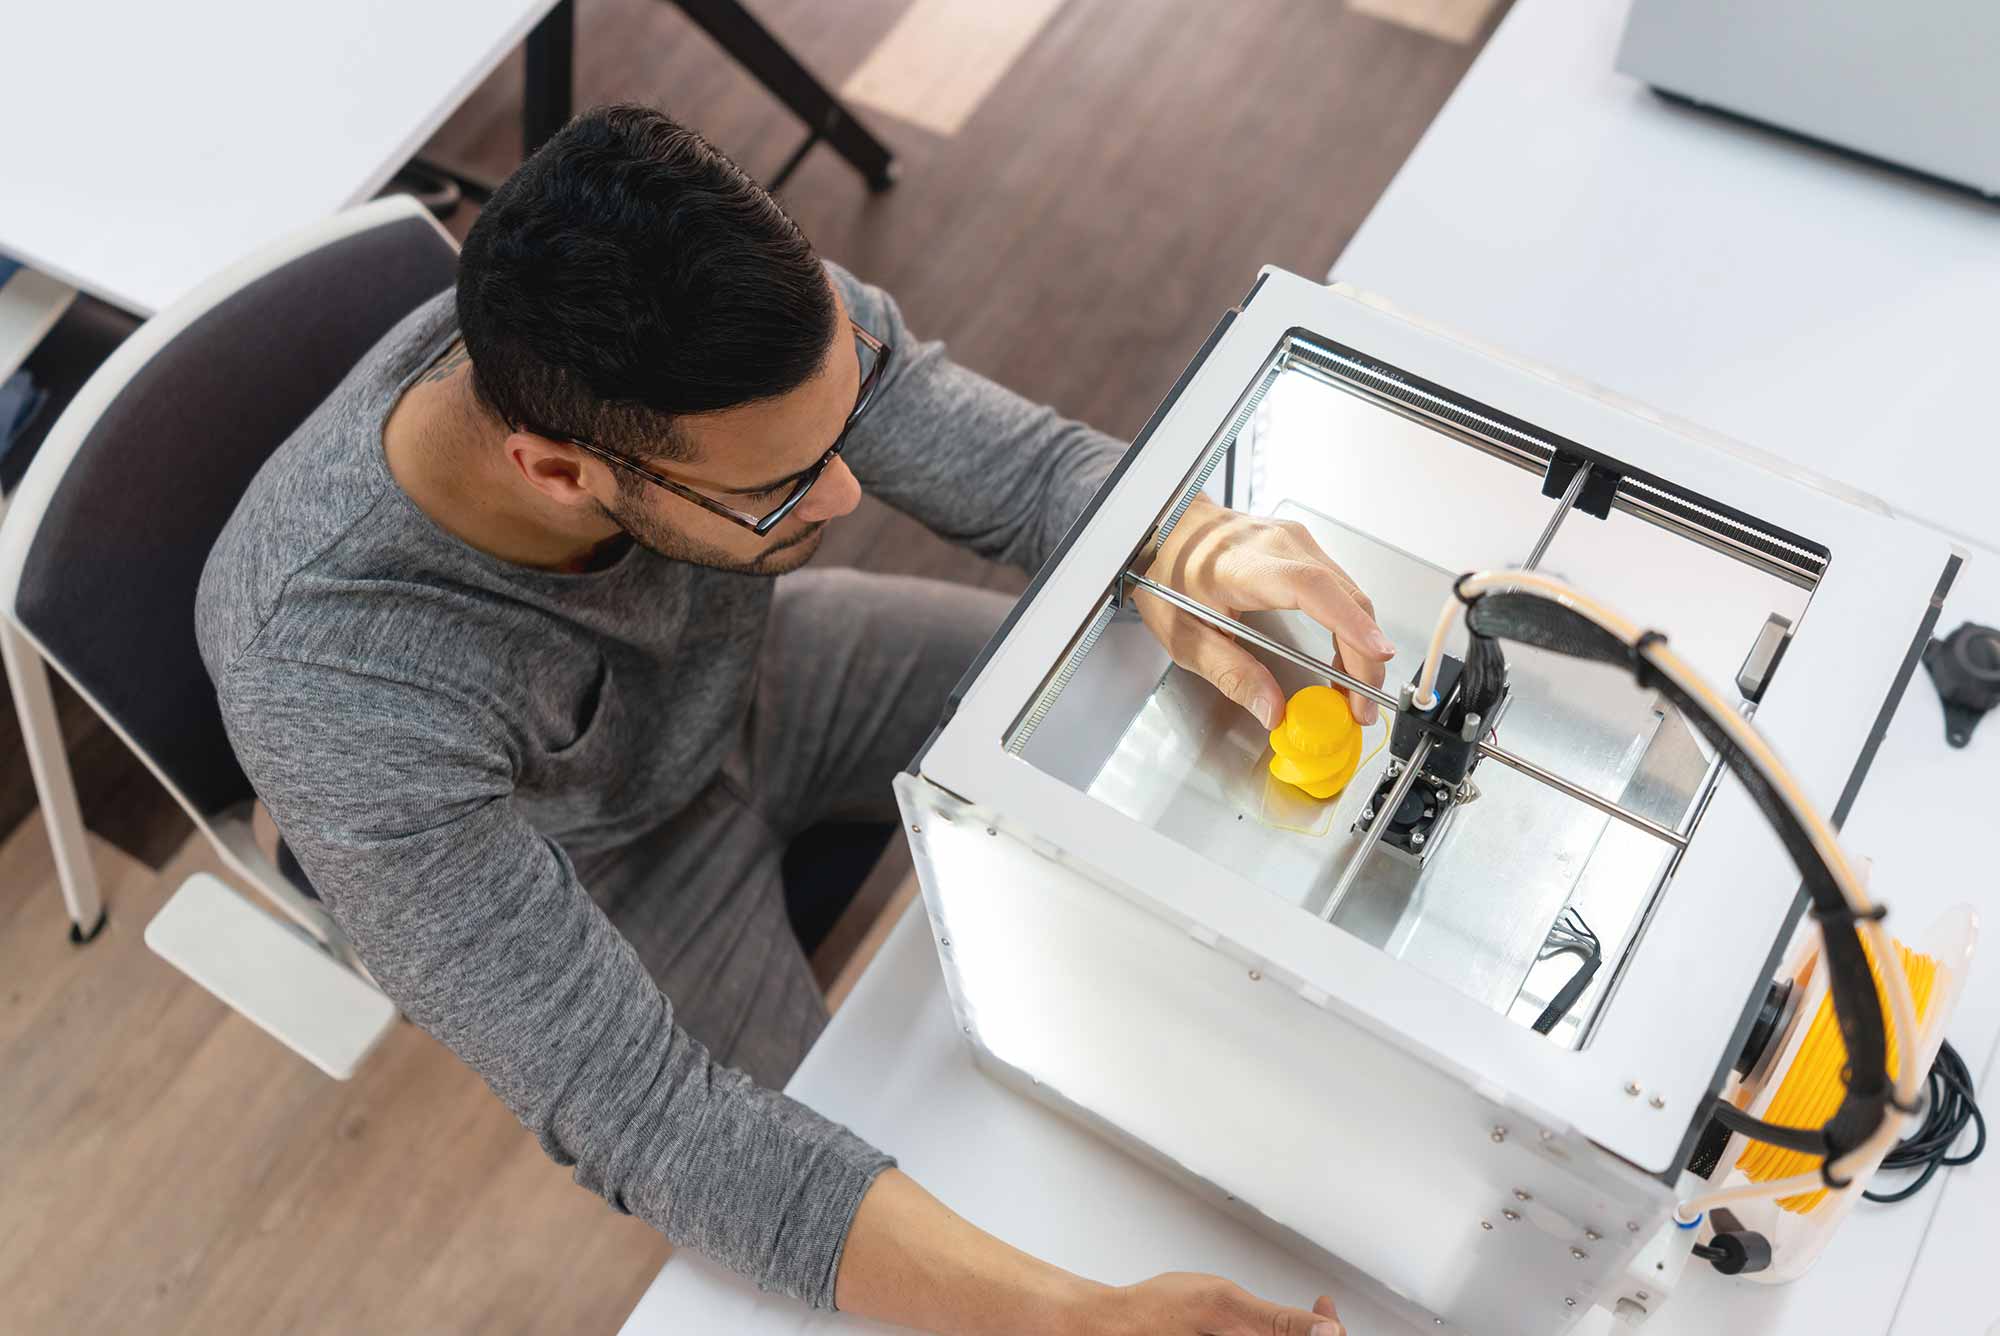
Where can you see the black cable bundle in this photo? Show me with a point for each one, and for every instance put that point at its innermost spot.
(1950, 1108)
(1533, 620)
(1481, 682)
(1570, 936)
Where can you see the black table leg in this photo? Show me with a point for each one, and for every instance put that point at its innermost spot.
(546, 96)
(739, 33)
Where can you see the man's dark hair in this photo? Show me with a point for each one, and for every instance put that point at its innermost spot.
(629, 274)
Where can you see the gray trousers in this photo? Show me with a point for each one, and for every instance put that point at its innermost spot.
(851, 679)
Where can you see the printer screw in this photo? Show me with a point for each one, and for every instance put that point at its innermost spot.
(1569, 1303)
(1578, 1253)
(1486, 1224)
(1416, 839)
(1256, 975)
(1499, 1134)
(1657, 1102)
(1592, 1235)
(1632, 1089)
(1510, 1216)
(1521, 1196)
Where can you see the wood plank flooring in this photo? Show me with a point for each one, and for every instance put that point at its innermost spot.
(165, 1167)
(169, 1168)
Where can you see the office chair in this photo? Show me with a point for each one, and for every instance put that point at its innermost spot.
(102, 548)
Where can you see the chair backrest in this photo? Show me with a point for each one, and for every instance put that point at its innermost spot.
(104, 542)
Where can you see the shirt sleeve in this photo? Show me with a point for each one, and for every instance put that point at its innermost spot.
(975, 462)
(398, 802)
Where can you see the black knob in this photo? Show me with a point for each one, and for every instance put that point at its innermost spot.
(1965, 667)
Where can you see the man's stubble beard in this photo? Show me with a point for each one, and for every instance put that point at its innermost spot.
(631, 517)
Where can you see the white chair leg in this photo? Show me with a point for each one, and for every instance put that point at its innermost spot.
(41, 734)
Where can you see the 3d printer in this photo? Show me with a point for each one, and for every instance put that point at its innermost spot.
(1507, 1027)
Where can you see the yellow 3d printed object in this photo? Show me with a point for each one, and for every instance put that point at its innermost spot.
(1318, 746)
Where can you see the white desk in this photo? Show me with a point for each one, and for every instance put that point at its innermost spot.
(150, 145)
(1837, 314)
(1744, 282)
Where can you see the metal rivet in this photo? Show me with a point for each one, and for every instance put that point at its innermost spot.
(1510, 1216)
(916, 830)
(1499, 1134)
(968, 1029)
(1592, 1235)
(1548, 1135)
(1486, 1224)
(1255, 975)
(1578, 1253)
(944, 941)
(1657, 1102)
(1632, 1088)
(1632, 1226)
(991, 831)
(1521, 1196)
(1569, 1303)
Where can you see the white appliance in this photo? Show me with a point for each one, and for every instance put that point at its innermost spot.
(1912, 83)
(1371, 1045)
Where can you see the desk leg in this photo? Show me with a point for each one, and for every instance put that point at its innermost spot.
(546, 95)
(28, 679)
(739, 33)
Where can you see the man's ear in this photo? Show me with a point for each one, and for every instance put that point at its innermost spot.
(556, 469)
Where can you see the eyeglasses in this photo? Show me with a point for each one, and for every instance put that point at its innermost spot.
(874, 355)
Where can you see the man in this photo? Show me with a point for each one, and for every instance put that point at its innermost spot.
(497, 638)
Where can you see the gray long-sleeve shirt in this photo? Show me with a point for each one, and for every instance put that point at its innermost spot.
(439, 734)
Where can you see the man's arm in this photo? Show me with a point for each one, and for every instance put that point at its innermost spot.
(913, 1261)
(974, 461)
(978, 463)
(397, 802)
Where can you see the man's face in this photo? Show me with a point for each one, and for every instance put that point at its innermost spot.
(749, 459)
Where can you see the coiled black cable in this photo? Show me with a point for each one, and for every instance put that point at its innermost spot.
(1950, 1107)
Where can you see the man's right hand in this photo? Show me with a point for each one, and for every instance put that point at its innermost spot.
(910, 1259)
(1185, 1304)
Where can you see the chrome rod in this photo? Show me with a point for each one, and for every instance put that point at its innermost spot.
(1583, 795)
(1570, 494)
(1230, 626)
(1352, 872)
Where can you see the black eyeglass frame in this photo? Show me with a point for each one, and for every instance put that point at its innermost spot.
(863, 397)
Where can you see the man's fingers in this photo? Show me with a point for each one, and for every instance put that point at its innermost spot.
(1266, 1319)
(1326, 597)
(1366, 666)
(1233, 670)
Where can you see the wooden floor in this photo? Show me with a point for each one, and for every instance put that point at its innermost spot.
(164, 1166)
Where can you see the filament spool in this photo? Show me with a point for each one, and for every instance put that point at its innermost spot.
(1813, 1081)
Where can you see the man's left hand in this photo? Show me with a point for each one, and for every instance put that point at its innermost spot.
(1239, 563)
